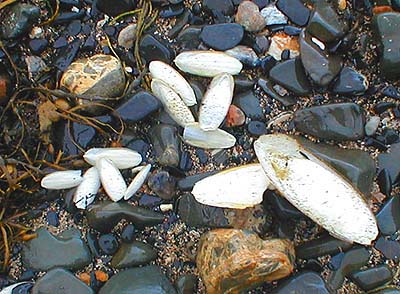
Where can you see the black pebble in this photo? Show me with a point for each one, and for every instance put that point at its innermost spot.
(52, 219)
(256, 128)
(391, 92)
(267, 63)
(27, 275)
(108, 244)
(186, 162)
(74, 27)
(37, 46)
(128, 233)
(285, 55)
(60, 42)
(202, 156)
(383, 106)
(384, 182)
(93, 244)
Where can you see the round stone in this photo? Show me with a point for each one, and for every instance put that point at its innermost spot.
(248, 15)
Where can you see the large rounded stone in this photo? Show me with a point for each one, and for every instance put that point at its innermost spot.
(230, 260)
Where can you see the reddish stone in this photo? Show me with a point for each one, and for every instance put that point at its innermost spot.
(235, 116)
(381, 9)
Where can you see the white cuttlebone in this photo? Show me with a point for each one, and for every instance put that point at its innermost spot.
(137, 182)
(9, 289)
(62, 180)
(111, 179)
(207, 63)
(173, 104)
(137, 169)
(166, 73)
(121, 157)
(195, 136)
(87, 190)
(316, 189)
(238, 187)
(216, 101)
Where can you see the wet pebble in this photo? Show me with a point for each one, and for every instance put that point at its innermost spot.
(52, 218)
(250, 105)
(389, 161)
(189, 37)
(171, 11)
(256, 128)
(108, 244)
(153, 49)
(114, 8)
(215, 7)
(384, 182)
(126, 36)
(273, 16)
(282, 207)
(163, 184)
(222, 36)
(37, 46)
(350, 82)
(326, 245)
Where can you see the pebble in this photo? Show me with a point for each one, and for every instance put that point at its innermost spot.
(189, 37)
(186, 284)
(148, 279)
(171, 11)
(128, 233)
(268, 88)
(114, 8)
(350, 82)
(235, 117)
(108, 244)
(391, 92)
(47, 251)
(215, 7)
(187, 183)
(245, 55)
(389, 216)
(306, 282)
(250, 105)
(127, 36)
(384, 182)
(166, 145)
(372, 125)
(153, 49)
(104, 216)
(280, 42)
(372, 277)
(389, 248)
(256, 128)
(341, 121)
(52, 218)
(290, 74)
(222, 36)
(18, 19)
(77, 133)
(295, 10)
(273, 16)
(326, 245)
(389, 161)
(248, 15)
(163, 184)
(232, 260)
(93, 244)
(133, 254)
(59, 279)
(185, 162)
(37, 46)
(138, 107)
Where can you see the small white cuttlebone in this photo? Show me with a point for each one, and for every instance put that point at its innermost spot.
(195, 136)
(86, 191)
(238, 187)
(316, 189)
(207, 63)
(216, 101)
(137, 182)
(121, 157)
(166, 73)
(62, 180)
(10, 289)
(173, 104)
(111, 179)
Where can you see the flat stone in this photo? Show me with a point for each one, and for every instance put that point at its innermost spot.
(166, 144)
(320, 65)
(384, 182)
(47, 251)
(153, 49)
(250, 105)
(148, 279)
(373, 277)
(17, 20)
(115, 7)
(340, 121)
(327, 245)
(248, 15)
(290, 74)
(303, 283)
(138, 107)
(389, 161)
(58, 281)
(273, 16)
(295, 10)
(386, 27)
(230, 261)
(222, 36)
(350, 83)
(389, 248)
(171, 11)
(389, 216)
(133, 254)
(105, 215)
(325, 23)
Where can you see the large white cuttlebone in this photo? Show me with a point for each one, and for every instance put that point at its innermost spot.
(240, 187)
(316, 189)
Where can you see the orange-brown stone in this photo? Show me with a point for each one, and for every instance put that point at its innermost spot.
(230, 260)
(381, 9)
(235, 116)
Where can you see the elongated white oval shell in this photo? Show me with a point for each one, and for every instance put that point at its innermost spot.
(238, 187)
(195, 136)
(121, 157)
(173, 104)
(166, 73)
(137, 182)
(111, 179)
(9, 289)
(216, 101)
(316, 189)
(62, 180)
(207, 63)
(86, 191)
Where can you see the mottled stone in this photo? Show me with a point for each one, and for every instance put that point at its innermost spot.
(18, 19)
(281, 42)
(105, 215)
(303, 283)
(248, 15)
(166, 144)
(60, 281)
(47, 251)
(148, 279)
(340, 121)
(230, 261)
(133, 254)
(372, 277)
(273, 16)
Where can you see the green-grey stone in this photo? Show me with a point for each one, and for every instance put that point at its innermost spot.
(372, 277)
(340, 121)
(104, 216)
(321, 247)
(47, 251)
(60, 281)
(18, 19)
(386, 27)
(355, 165)
(133, 254)
(186, 284)
(148, 279)
(166, 144)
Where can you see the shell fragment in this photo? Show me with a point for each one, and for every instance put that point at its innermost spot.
(173, 104)
(121, 157)
(62, 180)
(137, 182)
(164, 72)
(316, 189)
(111, 179)
(239, 187)
(216, 101)
(86, 191)
(207, 63)
(195, 136)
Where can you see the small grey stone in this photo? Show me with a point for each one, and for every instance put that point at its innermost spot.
(372, 125)
(127, 36)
